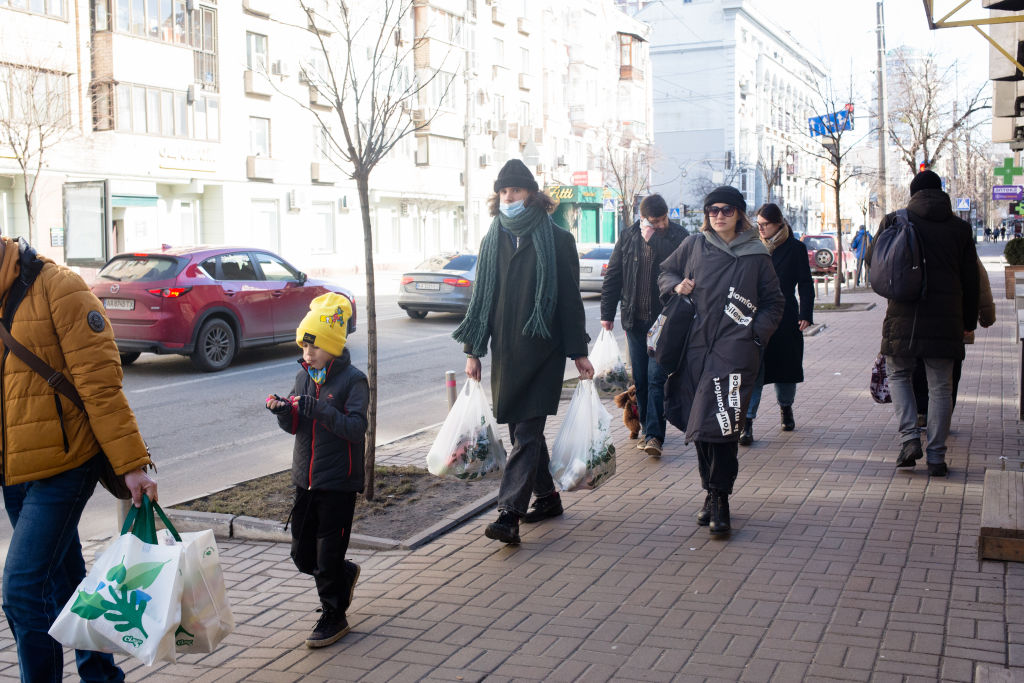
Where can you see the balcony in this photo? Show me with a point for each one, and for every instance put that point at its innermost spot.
(257, 84)
(523, 25)
(258, 7)
(524, 81)
(259, 168)
(630, 73)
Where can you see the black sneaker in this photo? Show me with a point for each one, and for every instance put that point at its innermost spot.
(937, 469)
(910, 453)
(544, 508)
(330, 627)
(506, 529)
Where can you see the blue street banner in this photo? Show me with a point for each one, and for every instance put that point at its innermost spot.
(1012, 193)
(832, 123)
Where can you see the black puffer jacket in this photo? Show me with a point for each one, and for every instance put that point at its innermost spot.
(739, 305)
(620, 280)
(329, 446)
(934, 327)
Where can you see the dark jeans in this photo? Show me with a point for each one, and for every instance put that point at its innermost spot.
(526, 470)
(44, 567)
(321, 526)
(649, 379)
(718, 465)
(785, 393)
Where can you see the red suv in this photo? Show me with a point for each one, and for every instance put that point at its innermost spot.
(822, 255)
(205, 302)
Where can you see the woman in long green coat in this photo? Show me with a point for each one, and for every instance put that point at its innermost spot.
(526, 302)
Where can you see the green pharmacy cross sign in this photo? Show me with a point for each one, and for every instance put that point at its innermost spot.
(1019, 209)
(1008, 171)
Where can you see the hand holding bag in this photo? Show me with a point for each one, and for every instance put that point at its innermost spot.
(610, 375)
(667, 338)
(130, 601)
(583, 456)
(467, 445)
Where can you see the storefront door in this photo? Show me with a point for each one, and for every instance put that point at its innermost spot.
(588, 224)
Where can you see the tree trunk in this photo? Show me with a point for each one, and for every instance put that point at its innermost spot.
(839, 240)
(362, 178)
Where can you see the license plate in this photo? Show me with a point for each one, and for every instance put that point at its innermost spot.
(431, 286)
(585, 269)
(119, 304)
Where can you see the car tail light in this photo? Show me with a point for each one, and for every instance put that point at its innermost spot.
(457, 282)
(406, 280)
(604, 269)
(169, 292)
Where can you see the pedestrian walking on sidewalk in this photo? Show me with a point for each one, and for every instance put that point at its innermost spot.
(526, 302)
(631, 284)
(934, 327)
(727, 272)
(783, 363)
(54, 452)
(860, 244)
(326, 411)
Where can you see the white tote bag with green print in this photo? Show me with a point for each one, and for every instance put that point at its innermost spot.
(130, 601)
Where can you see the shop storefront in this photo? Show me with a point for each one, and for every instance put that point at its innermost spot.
(589, 213)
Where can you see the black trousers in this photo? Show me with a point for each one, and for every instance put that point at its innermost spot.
(718, 464)
(321, 526)
(526, 470)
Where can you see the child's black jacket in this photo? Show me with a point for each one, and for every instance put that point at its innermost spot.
(329, 445)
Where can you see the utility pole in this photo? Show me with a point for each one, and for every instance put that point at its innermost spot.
(883, 115)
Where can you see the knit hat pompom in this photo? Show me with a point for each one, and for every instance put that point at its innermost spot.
(726, 194)
(926, 180)
(515, 174)
(326, 324)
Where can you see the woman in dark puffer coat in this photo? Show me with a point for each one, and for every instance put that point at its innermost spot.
(729, 276)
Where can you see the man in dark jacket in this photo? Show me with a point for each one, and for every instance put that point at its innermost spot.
(526, 302)
(932, 328)
(631, 283)
(861, 242)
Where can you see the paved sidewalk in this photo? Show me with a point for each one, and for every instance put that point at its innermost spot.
(840, 567)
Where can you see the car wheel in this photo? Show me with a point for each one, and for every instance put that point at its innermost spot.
(416, 315)
(824, 258)
(215, 346)
(129, 358)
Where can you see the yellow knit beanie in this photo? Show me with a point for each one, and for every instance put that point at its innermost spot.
(326, 324)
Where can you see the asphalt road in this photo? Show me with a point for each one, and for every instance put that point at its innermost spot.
(208, 431)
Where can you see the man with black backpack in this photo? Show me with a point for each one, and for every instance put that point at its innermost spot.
(923, 260)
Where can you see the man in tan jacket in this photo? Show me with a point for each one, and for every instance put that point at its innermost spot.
(52, 451)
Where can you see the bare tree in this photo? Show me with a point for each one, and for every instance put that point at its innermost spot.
(34, 118)
(831, 141)
(631, 169)
(924, 114)
(376, 85)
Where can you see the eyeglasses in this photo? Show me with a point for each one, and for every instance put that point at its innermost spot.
(764, 224)
(727, 211)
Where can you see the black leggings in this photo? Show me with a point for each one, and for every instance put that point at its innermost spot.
(321, 526)
(718, 464)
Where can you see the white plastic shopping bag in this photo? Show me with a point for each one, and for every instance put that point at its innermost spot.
(467, 446)
(583, 456)
(128, 603)
(205, 612)
(610, 376)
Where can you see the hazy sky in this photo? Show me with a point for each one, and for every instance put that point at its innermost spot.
(843, 31)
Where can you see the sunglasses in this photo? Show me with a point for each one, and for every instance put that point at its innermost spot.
(727, 211)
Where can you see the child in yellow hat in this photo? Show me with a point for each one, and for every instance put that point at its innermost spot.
(326, 411)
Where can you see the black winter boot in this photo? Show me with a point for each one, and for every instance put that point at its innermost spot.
(719, 513)
(704, 516)
(505, 529)
(788, 424)
(544, 508)
(747, 435)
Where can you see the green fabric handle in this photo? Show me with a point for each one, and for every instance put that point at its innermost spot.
(140, 521)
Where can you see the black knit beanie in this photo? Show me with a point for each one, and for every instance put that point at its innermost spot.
(925, 180)
(515, 174)
(726, 194)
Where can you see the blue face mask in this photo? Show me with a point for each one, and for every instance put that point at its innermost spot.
(512, 210)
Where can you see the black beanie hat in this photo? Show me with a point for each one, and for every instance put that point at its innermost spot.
(515, 174)
(925, 180)
(726, 194)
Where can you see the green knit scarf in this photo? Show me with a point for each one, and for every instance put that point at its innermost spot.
(475, 328)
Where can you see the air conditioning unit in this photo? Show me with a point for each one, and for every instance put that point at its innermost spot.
(418, 116)
(403, 208)
(561, 161)
(524, 26)
(280, 68)
(486, 160)
(297, 200)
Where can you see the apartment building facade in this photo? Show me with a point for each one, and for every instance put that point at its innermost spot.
(193, 122)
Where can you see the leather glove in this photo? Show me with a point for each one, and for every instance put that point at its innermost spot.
(304, 404)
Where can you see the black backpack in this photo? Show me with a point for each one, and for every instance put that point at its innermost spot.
(897, 262)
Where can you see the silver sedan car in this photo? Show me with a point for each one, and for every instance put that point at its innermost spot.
(593, 264)
(442, 283)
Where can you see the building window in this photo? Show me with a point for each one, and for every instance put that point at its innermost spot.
(442, 91)
(159, 19)
(256, 52)
(259, 136)
(524, 113)
(499, 52)
(204, 43)
(49, 8)
(524, 56)
(34, 95)
(156, 111)
(323, 228)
